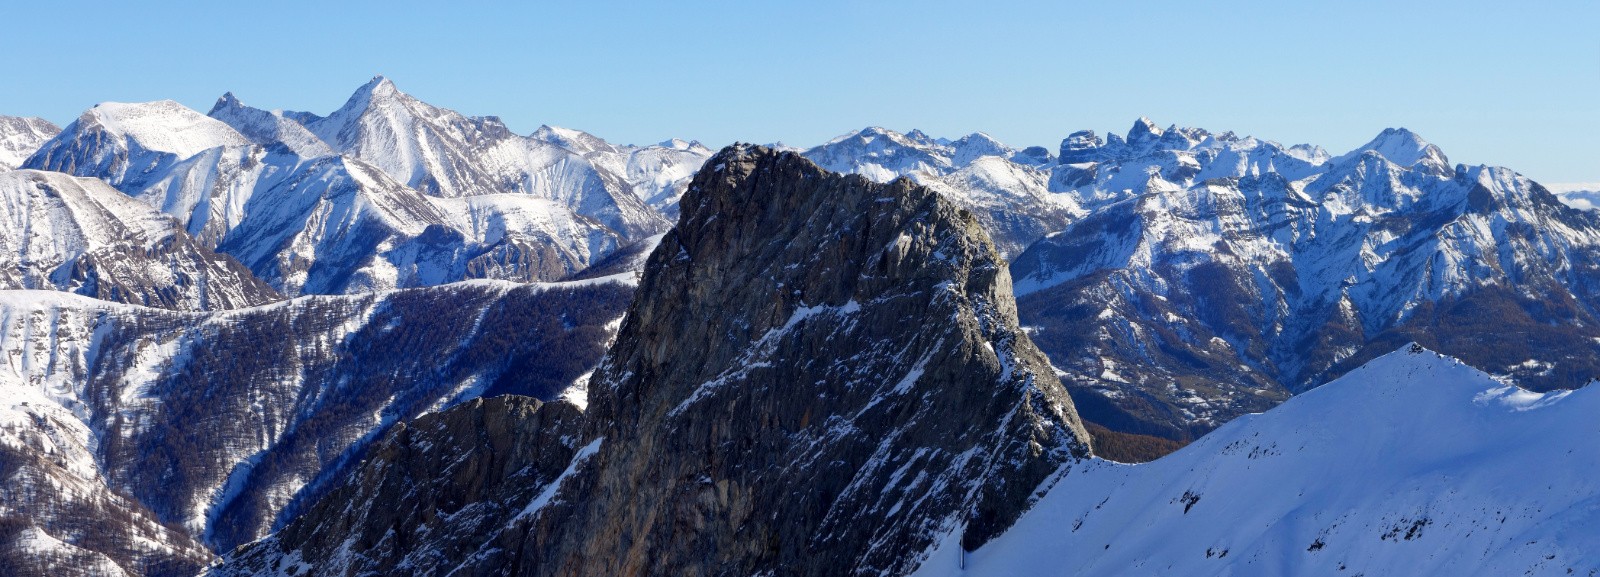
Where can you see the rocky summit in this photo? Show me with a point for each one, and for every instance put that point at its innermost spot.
(819, 375)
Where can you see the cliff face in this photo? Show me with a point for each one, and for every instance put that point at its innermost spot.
(448, 481)
(819, 375)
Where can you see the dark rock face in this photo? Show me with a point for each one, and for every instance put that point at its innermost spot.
(448, 481)
(820, 376)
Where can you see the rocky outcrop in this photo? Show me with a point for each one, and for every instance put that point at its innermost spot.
(819, 375)
(448, 481)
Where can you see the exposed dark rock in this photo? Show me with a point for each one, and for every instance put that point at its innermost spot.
(432, 495)
(820, 376)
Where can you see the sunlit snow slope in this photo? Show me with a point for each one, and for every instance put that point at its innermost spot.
(1414, 464)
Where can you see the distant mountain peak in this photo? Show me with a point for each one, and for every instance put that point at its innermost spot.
(381, 83)
(227, 100)
(1405, 148)
(1143, 129)
(376, 91)
(160, 126)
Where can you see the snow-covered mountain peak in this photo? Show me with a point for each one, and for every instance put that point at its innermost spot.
(380, 101)
(685, 145)
(922, 138)
(376, 92)
(421, 145)
(268, 128)
(19, 137)
(977, 145)
(227, 100)
(160, 126)
(381, 87)
(866, 134)
(1309, 153)
(1143, 130)
(883, 155)
(1080, 147)
(1405, 148)
(574, 140)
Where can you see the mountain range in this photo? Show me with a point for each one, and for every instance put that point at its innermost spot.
(238, 338)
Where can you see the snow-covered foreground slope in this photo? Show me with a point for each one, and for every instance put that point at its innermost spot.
(1413, 464)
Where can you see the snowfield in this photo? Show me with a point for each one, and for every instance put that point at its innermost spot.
(1414, 464)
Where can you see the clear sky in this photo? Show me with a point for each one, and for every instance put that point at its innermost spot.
(1507, 83)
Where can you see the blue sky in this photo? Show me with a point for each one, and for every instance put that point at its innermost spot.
(1515, 84)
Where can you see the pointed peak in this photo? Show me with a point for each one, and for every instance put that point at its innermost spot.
(379, 89)
(1397, 139)
(1405, 148)
(225, 102)
(381, 82)
(1142, 129)
(1401, 132)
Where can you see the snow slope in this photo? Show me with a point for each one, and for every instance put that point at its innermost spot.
(1008, 190)
(1414, 464)
(219, 422)
(80, 235)
(657, 174)
(19, 137)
